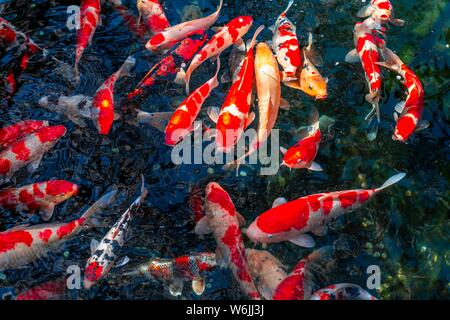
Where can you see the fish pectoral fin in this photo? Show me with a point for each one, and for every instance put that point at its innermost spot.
(320, 231)
(424, 124)
(293, 84)
(283, 150)
(32, 166)
(180, 77)
(278, 202)
(303, 240)
(395, 116)
(284, 104)
(352, 57)
(241, 219)
(176, 287)
(46, 212)
(271, 28)
(122, 262)
(266, 292)
(202, 227)
(314, 166)
(399, 107)
(213, 113)
(116, 116)
(365, 11)
(398, 22)
(198, 286)
(240, 44)
(94, 245)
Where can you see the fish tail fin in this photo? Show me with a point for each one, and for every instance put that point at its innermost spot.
(156, 119)
(392, 180)
(253, 42)
(291, 2)
(219, 7)
(126, 67)
(101, 204)
(187, 77)
(314, 120)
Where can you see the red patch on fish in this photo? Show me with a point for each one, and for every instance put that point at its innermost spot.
(45, 235)
(21, 151)
(66, 229)
(9, 240)
(93, 271)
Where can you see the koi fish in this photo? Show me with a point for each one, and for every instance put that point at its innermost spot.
(89, 20)
(223, 221)
(234, 116)
(50, 290)
(302, 154)
(309, 80)
(297, 284)
(409, 112)
(105, 252)
(29, 150)
(368, 46)
(290, 221)
(196, 203)
(41, 195)
(22, 245)
(286, 46)
(235, 60)
(153, 14)
(170, 67)
(382, 11)
(267, 76)
(342, 291)
(182, 121)
(164, 40)
(229, 34)
(175, 271)
(267, 271)
(8, 34)
(103, 100)
(12, 133)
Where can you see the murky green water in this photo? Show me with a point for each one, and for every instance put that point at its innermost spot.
(405, 230)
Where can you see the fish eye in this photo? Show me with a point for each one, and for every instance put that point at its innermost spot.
(270, 236)
(310, 87)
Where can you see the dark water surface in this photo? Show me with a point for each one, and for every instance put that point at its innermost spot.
(405, 230)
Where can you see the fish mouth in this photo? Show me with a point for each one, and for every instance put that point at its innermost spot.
(321, 97)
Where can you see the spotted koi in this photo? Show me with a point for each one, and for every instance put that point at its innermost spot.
(153, 14)
(42, 196)
(229, 34)
(22, 245)
(223, 221)
(290, 221)
(12, 133)
(342, 291)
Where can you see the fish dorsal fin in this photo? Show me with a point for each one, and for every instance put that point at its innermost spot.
(313, 121)
(255, 35)
(94, 245)
(291, 2)
(278, 202)
(303, 240)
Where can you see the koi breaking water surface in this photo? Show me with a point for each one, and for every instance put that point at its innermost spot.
(95, 96)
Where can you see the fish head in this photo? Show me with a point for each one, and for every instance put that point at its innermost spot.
(93, 272)
(293, 158)
(51, 134)
(312, 83)
(60, 190)
(404, 128)
(383, 11)
(217, 201)
(177, 128)
(228, 128)
(256, 235)
(241, 24)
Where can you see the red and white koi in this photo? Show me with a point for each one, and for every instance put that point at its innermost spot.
(105, 252)
(368, 45)
(302, 154)
(153, 14)
(297, 284)
(103, 100)
(266, 270)
(409, 112)
(223, 221)
(382, 11)
(164, 40)
(24, 244)
(175, 271)
(286, 46)
(182, 121)
(12, 133)
(89, 20)
(342, 291)
(292, 220)
(229, 34)
(234, 116)
(50, 290)
(29, 150)
(42, 196)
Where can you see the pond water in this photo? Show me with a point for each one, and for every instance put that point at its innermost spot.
(405, 230)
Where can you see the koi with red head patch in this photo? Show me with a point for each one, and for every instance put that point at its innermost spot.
(234, 116)
(24, 244)
(342, 291)
(368, 45)
(223, 221)
(51, 290)
(103, 100)
(105, 252)
(302, 154)
(297, 284)
(42, 196)
(409, 112)
(292, 220)
(182, 121)
(286, 46)
(153, 14)
(89, 20)
(170, 36)
(382, 11)
(12, 133)
(229, 34)
(29, 150)
(170, 67)
(175, 271)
